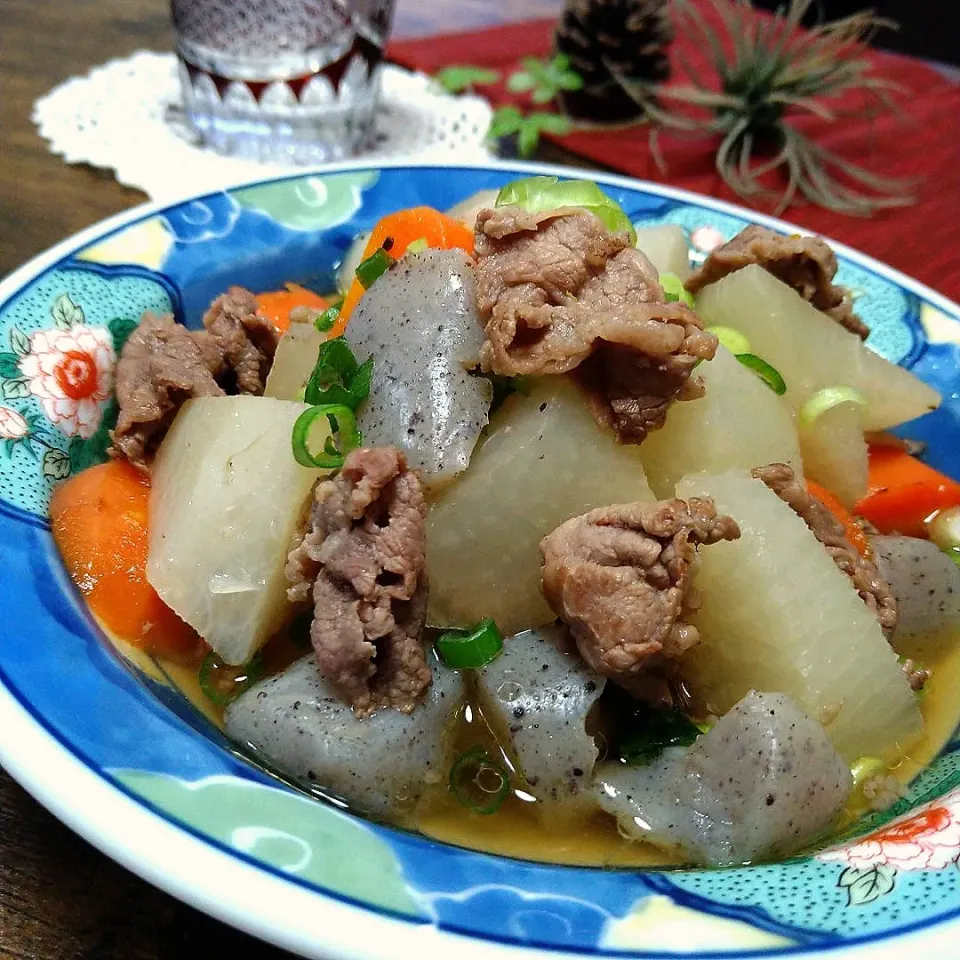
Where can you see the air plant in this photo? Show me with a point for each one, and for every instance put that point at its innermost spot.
(769, 69)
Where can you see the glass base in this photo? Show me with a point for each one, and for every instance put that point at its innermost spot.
(304, 120)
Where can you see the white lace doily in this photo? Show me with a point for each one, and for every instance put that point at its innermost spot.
(126, 116)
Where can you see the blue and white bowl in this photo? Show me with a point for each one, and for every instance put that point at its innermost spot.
(128, 763)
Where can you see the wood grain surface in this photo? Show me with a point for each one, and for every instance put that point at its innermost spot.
(60, 899)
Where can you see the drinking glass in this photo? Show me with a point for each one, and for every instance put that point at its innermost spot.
(282, 80)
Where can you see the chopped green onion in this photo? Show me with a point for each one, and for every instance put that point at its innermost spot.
(651, 731)
(673, 289)
(769, 375)
(817, 404)
(222, 683)
(470, 649)
(536, 194)
(325, 321)
(732, 339)
(337, 377)
(866, 768)
(342, 422)
(373, 267)
(504, 386)
(479, 783)
(417, 246)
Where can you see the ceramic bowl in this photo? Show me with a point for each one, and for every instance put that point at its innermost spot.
(133, 767)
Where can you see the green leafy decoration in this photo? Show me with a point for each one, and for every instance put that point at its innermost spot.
(867, 885)
(120, 329)
(456, 79)
(87, 453)
(505, 122)
(16, 389)
(56, 465)
(509, 121)
(534, 124)
(9, 366)
(544, 79)
(66, 313)
(19, 342)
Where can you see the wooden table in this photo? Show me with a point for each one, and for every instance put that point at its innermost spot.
(60, 899)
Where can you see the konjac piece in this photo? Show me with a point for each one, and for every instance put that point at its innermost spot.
(298, 722)
(763, 782)
(536, 695)
(420, 323)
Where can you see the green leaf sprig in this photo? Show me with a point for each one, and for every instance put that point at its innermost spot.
(458, 79)
(544, 80)
(537, 81)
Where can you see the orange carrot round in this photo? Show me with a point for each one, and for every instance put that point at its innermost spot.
(403, 228)
(275, 305)
(99, 521)
(851, 528)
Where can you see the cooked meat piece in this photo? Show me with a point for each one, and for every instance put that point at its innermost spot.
(631, 389)
(805, 263)
(620, 578)
(245, 341)
(557, 288)
(364, 553)
(161, 366)
(916, 675)
(873, 589)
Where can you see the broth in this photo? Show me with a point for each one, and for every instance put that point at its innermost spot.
(516, 831)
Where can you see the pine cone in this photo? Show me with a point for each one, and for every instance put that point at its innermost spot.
(609, 39)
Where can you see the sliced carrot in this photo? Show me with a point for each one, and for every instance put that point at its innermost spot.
(275, 305)
(99, 521)
(851, 528)
(903, 492)
(401, 229)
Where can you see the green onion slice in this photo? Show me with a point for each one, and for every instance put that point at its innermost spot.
(769, 375)
(470, 649)
(337, 377)
(817, 404)
(673, 289)
(222, 683)
(373, 267)
(342, 423)
(732, 339)
(479, 783)
(325, 321)
(536, 194)
(417, 246)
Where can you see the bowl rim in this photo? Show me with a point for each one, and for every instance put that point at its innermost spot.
(237, 891)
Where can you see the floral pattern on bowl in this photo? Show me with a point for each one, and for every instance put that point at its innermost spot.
(62, 325)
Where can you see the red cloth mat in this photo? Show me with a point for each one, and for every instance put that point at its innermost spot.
(921, 240)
